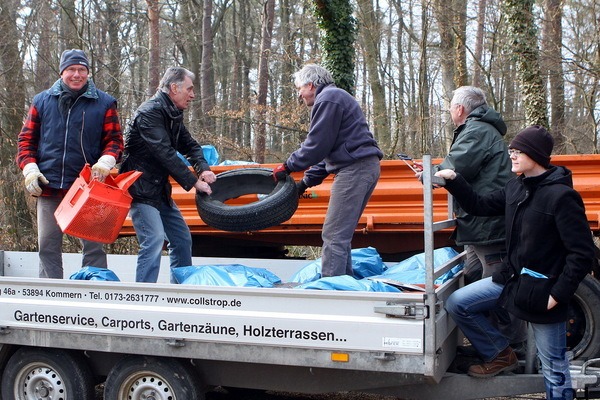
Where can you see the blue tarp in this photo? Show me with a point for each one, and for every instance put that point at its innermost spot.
(365, 262)
(90, 273)
(225, 275)
(209, 152)
(367, 265)
(412, 270)
(346, 282)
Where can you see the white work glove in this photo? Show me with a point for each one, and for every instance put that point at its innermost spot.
(102, 168)
(33, 177)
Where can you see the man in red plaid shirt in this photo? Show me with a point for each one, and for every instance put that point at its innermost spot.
(68, 125)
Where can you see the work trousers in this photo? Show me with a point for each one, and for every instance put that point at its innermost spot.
(50, 238)
(352, 187)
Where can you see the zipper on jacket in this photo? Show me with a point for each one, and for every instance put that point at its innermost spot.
(62, 175)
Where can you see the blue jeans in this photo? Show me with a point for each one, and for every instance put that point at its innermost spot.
(352, 187)
(469, 308)
(152, 226)
(483, 260)
(551, 343)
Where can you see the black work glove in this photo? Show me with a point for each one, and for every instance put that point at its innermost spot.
(301, 187)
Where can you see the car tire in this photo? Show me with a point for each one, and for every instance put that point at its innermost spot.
(276, 202)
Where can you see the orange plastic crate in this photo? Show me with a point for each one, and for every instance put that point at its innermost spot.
(95, 210)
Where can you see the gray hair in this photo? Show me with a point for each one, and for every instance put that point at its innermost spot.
(312, 73)
(174, 75)
(470, 97)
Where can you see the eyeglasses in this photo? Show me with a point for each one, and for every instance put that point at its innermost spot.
(514, 153)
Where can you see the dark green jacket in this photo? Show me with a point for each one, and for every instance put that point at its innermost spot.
(480, 154)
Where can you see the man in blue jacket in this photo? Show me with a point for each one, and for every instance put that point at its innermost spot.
(339, 142)
(67, 126)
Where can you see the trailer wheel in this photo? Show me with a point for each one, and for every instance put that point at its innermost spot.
(44, 374)
(140, 378)
(583, 327)
(278, 204)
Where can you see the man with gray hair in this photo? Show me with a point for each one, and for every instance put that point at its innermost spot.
(480, 154)
(153, 139)
(338, 142)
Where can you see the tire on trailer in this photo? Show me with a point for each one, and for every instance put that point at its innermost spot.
(278, 205)
(141, 377)
(39, 374)
(583, 326)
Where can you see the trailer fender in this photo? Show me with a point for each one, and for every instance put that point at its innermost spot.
(275, 202)
(583, 326)
(40, 374)
(142, 377)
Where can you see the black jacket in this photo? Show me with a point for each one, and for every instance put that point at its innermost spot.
(546, 232)
(152, 141)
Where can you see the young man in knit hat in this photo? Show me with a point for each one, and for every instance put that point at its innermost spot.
(68, 125)
(549, 252)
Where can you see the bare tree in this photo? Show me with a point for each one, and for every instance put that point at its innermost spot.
(263, 80)
(523, 47)
(478, 53)
(17, 221)
(207, 96)
(371, 34)
(552, 64)
(154, 46)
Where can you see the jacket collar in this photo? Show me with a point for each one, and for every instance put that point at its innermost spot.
(168, 105)
(91, 92)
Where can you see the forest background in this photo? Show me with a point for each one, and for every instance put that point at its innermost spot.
(538, 62)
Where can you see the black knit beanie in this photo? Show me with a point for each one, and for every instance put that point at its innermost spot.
(536, 142)
(72, 57)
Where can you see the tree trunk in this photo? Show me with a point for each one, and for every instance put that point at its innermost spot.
(263, 80)
(461, 76)
(423, 103)
(339, 27)
(444, 13)
(523, 47)
(478, 53)
(154, 46)
(207, 97)
(114, 49)
(552, 64)
(17, 222)
(45, 68)
(371, 34)
(68, 26)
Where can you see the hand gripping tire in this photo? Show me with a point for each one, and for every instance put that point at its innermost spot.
(278, 205)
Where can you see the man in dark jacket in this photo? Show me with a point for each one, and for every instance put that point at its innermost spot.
(69, 125)
(549, 252)
(155, 136)
(478, 153)
(339, 142)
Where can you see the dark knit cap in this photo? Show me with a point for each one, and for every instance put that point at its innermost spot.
(71, 57)
(536, 142)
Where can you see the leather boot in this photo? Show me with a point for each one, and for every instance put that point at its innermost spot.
(506, 361)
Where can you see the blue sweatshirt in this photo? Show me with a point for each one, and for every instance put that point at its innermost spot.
(338, 136)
